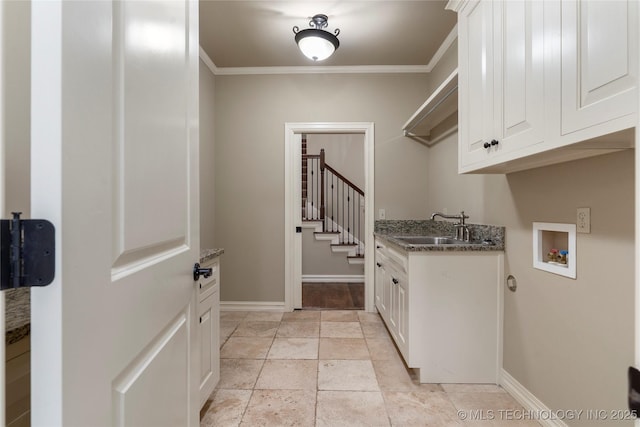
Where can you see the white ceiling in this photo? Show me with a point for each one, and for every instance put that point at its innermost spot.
(259, 33)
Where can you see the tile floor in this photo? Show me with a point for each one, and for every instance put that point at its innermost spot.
(333, 368)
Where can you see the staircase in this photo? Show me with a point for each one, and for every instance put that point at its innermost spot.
(333, 206)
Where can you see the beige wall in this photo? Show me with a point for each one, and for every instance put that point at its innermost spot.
(319, 260)
(207, 158)
(445, 66)
(16, 49)
(569, 342)
(249, 166)
(343, 152)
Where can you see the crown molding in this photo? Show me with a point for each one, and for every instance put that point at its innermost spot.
(357, 69)
(455, 5)
(446, 44)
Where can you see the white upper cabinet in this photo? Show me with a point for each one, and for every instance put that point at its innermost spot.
(536, 77)
(475, 81)
(502, 71)
(599, 63)
(519, 74)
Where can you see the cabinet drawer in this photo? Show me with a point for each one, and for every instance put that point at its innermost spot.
(209, 285)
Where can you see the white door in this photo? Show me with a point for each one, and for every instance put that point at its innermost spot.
(115, 168)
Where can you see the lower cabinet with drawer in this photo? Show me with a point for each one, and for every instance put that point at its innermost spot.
(443, 309)
(209, 328)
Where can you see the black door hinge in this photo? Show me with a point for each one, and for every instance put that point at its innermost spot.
(27, 252)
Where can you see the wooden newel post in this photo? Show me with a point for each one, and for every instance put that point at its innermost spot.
(322, 188)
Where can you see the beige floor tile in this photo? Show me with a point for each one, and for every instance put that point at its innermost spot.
(294, 348)
(301, 329)
(382, 349)
(472, 388)
(233, 315)
(343, 348)
(246, 348)
(393, 375)
(358, 366)
(420, 408)
(280, 408)
(340, 330)
(367, 317)
(353, 375)
(482, 400)
(339, 316)
(301, 316)
(256, 328)
(239, 373)
(227, 327)
(266, 316)
(374, 330)
(350, 409)
(288, 375)
(226, 408)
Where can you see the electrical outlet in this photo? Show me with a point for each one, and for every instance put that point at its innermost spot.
(584, 220)
(381, 214)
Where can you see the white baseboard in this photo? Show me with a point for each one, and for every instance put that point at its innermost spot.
(326, 278)
(528, 400)
(252, 306)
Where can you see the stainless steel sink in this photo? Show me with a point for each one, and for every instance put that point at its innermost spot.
(427, 240)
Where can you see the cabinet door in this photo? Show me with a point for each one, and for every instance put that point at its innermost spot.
(393, 303)
(380, 287)
(599, 63)
(209, 328)
(519, 74)
(403, 316)
(475, 77)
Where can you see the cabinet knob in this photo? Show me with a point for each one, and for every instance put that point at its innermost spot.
(486, 145)
(494, 142)
(378, 264)
(394, 280)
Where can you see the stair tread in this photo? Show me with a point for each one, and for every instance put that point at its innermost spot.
(344, 244)
(326, 232)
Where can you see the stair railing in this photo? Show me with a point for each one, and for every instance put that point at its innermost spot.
(331, 198)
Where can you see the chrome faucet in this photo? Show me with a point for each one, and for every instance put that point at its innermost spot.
(462, 230)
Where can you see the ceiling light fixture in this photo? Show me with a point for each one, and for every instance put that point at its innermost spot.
(316, 43)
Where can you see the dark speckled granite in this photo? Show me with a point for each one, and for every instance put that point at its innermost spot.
(209, 254)
(386, 229)
(17, 314)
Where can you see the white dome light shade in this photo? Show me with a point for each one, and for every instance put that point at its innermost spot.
(316, 43)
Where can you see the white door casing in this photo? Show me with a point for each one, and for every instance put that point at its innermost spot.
(293, 215)
(2, 208)
(115, 168)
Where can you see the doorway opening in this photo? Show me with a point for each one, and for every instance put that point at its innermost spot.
(362, 246)
(333, 210)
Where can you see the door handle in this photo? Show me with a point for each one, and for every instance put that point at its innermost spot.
(197, 271)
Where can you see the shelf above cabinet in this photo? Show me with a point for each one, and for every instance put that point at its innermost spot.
(437, 117)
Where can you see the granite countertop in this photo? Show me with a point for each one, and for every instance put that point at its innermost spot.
(209, 254)
(18, 309)
(480, 234)
(17, 315)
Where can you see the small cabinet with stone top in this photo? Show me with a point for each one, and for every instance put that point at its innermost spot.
(209, 328)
